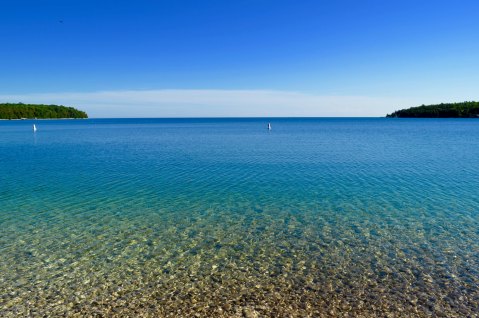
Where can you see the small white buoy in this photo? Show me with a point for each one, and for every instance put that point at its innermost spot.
(34, 128)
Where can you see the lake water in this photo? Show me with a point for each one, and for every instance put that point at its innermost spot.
(223, 218)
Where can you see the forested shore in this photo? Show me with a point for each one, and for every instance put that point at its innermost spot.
(448, 110)
(38, 111)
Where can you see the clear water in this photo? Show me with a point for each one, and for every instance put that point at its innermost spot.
(221, 218)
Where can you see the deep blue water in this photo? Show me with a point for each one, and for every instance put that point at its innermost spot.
(222, 217)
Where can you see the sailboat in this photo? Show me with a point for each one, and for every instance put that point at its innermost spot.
(34, 128)
(269, 126)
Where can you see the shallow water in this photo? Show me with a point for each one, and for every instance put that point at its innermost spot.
(221, 218)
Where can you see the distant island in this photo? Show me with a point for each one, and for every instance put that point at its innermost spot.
(449, 110)
(40, 111)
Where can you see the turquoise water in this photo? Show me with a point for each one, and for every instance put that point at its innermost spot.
(221, 218)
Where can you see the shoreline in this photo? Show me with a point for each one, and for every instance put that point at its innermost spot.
(41, 118)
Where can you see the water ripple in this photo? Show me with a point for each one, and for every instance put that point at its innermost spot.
(219, 218)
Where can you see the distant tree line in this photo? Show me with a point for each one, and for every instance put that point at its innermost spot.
(20, 110)
(450, 110)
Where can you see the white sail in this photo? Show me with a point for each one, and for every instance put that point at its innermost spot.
(269, 126)
(34, 128)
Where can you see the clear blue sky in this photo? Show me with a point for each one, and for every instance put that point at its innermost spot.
(391, 52)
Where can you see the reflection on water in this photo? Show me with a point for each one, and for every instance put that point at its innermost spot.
(218, 218)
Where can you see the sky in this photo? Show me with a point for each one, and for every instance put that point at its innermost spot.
(239, 58)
